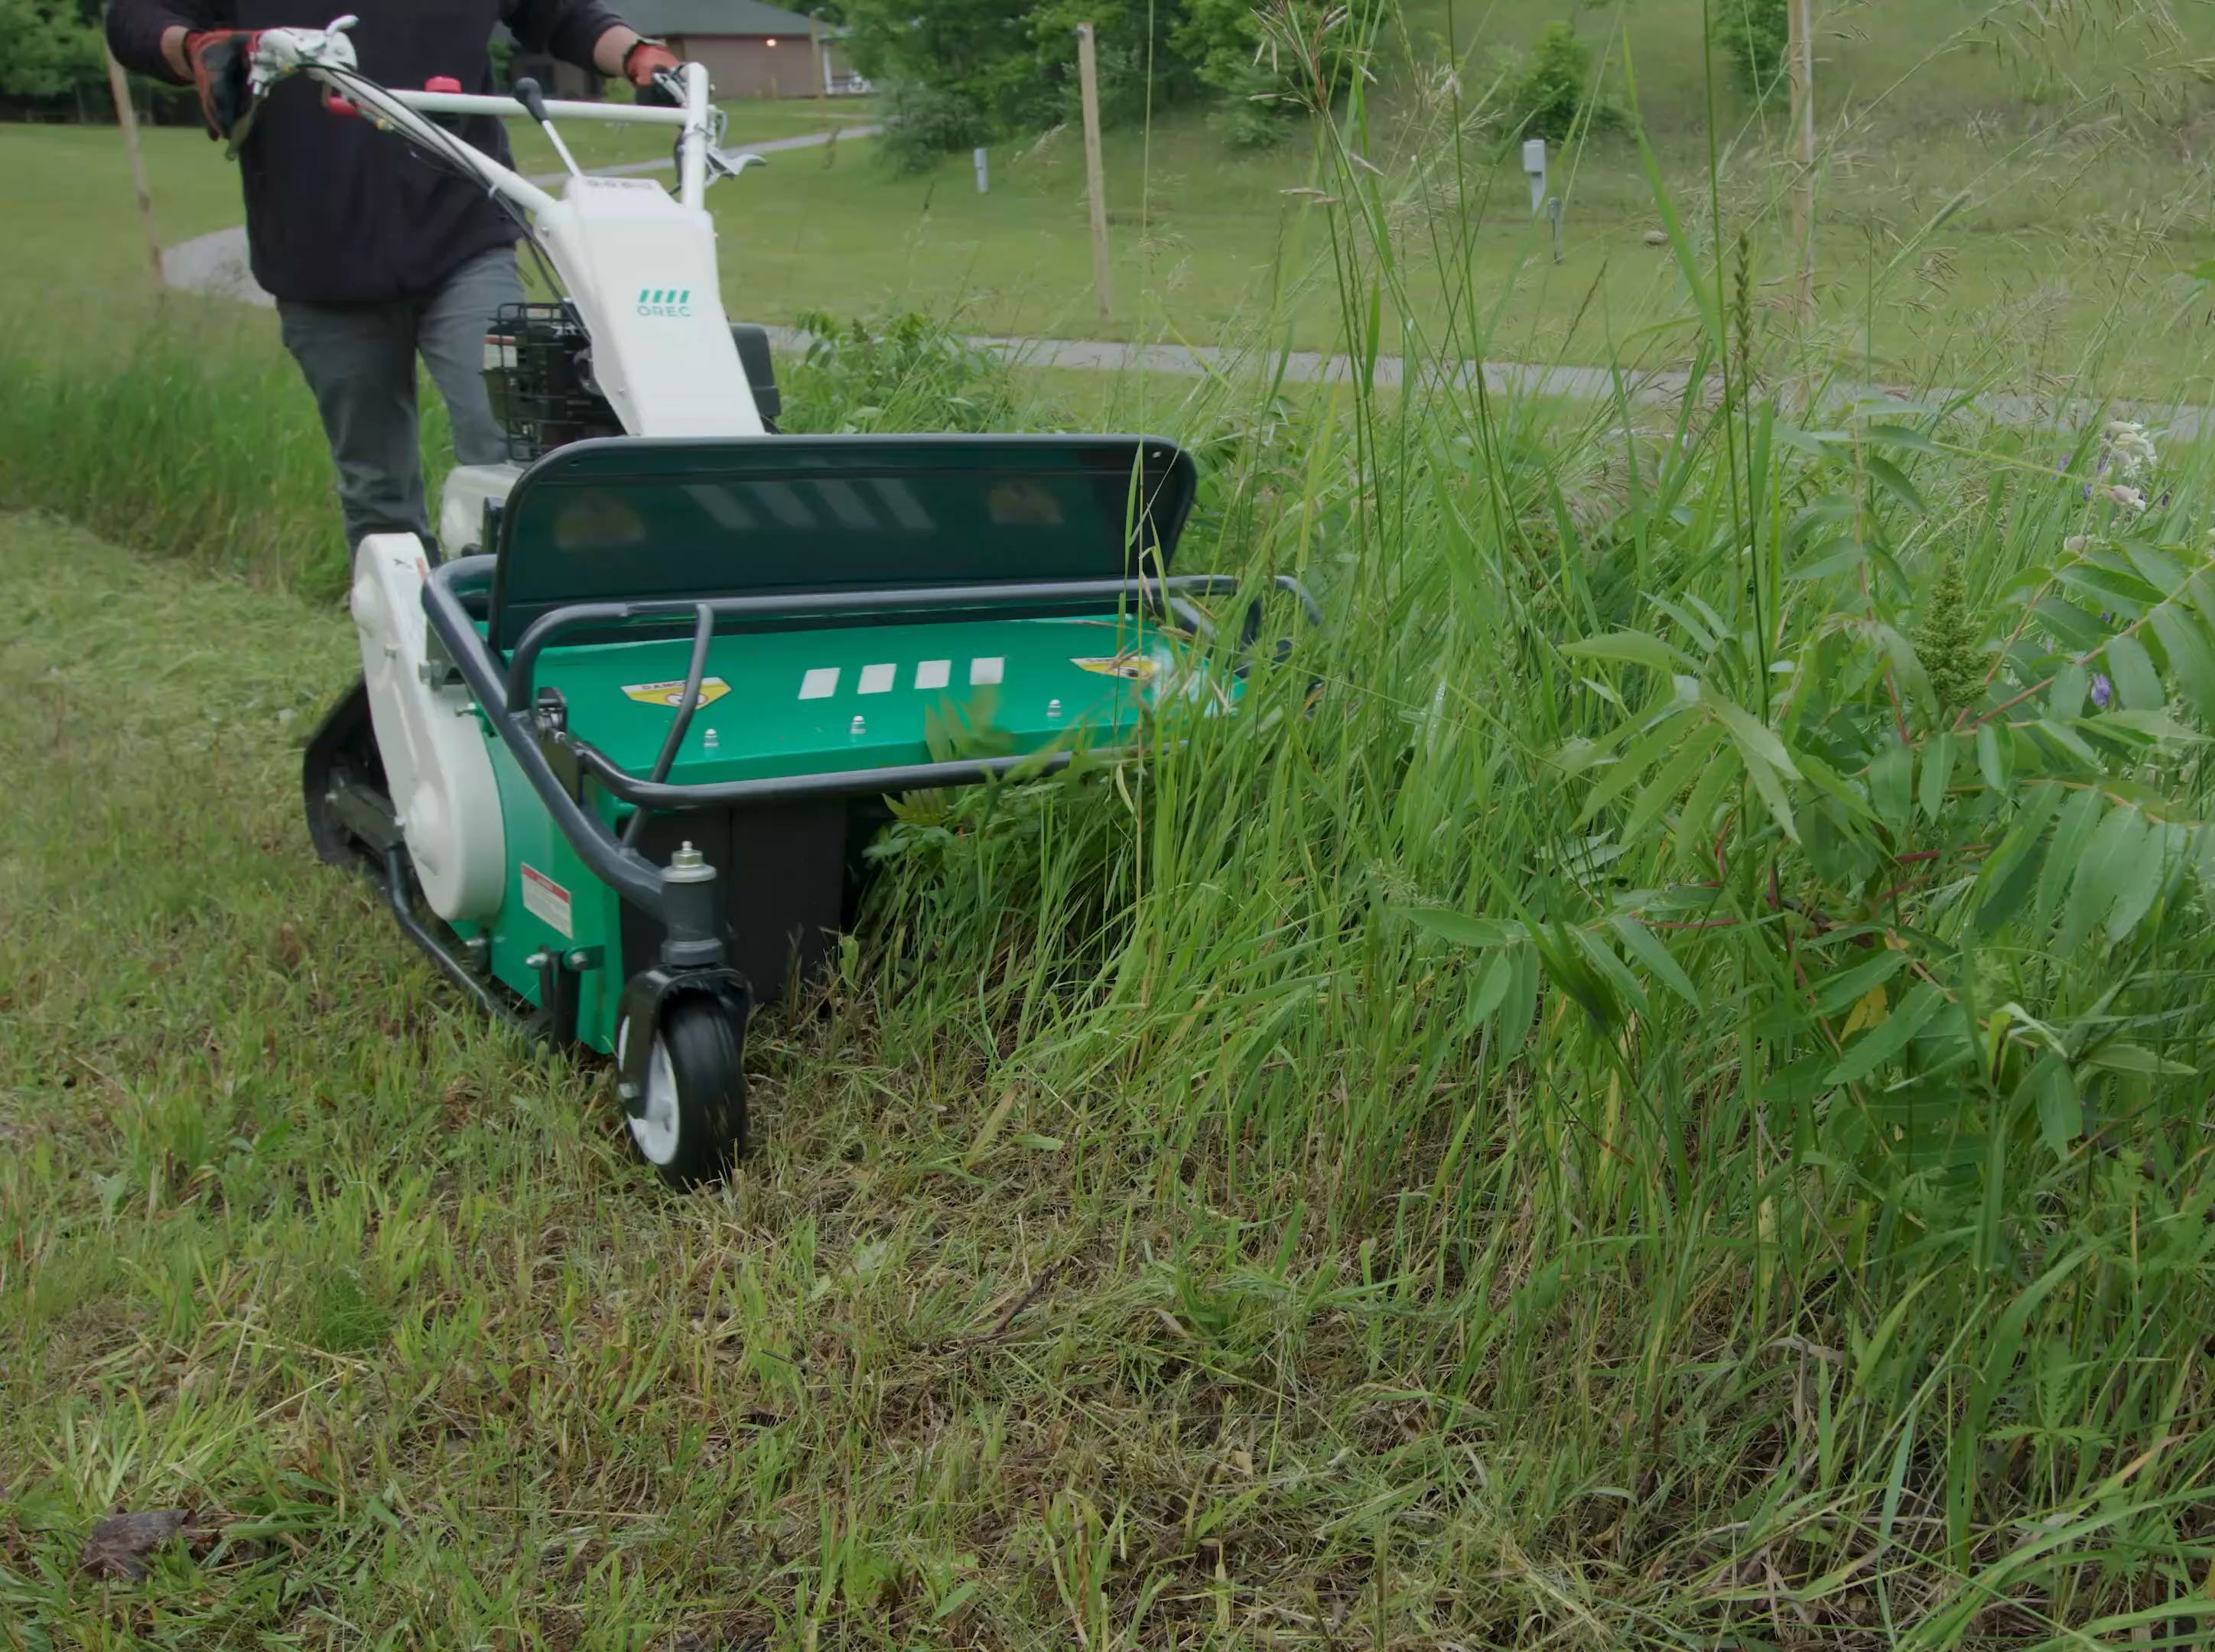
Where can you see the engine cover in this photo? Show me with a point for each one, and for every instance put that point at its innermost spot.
(435, 761)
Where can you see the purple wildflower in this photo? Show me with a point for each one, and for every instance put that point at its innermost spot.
(2102, 690)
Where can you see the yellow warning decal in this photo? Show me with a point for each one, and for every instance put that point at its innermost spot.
(1131, 668)
(669, 694)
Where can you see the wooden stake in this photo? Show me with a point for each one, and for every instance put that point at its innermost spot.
(1095, 181)
(815, 57)
(1800, 56)
(127, 118)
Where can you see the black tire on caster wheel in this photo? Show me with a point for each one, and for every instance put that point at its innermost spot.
(688, 1120)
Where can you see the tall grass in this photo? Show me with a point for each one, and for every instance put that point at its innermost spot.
(1649, 1086)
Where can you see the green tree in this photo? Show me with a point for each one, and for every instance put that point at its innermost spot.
(1553, 96)
(1267, 62)
(53, 49)
(1754, 34)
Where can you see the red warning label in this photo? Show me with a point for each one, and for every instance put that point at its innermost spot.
(547, 899)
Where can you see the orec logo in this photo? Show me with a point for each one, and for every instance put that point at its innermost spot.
(665, 301)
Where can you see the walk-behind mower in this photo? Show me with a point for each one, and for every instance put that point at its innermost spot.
(625, 731)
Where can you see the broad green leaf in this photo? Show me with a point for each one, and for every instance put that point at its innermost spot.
(1491, 992)
(2135, 1058)
(2011, 871)
(1522, 1000)
(2079, 819)
(2156, 567)
(2071, 684)
(2071, 624)
(1647, 947)
(1937, 774)
(1899, 436)
(1771, 790)
(1459, 928)
(2190, 658)
(1892, 783)
(1636, 763)
(1834, 556)
(1890, 477)
(1754, 738)
(1827, 780)
(2100, 875)
(2061, 734)
(1695, 820)
(1632, 647)
(1889, 1038)
(2120, 593)
(2052, 1088)
(1568, 968)
(1995, 755)
(1608, 967)
(2143, 879)
(1818, 442)
(2130, 667)
(1834, 992)
(1680, 771)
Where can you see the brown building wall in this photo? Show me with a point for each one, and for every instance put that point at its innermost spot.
(747, 66)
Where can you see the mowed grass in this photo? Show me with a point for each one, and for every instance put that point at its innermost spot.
(291, 1240)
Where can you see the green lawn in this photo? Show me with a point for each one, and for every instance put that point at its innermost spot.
(1994, 208)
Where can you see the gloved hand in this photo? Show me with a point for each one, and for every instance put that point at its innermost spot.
(645, 59)
(219, 59)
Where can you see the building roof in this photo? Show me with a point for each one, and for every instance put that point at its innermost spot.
(663, 18)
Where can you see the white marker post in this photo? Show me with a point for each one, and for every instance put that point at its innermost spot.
(984, 179)
(1535, 171)
(1534, 168)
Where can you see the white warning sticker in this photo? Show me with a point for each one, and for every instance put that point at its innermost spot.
(982, 671)
(548, 900)
(819, 684)
(932, 673)
(878, 679)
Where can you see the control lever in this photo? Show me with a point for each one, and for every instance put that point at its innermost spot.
(534, 105)
(729, 166)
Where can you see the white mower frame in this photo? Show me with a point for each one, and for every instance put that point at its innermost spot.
(638, 264)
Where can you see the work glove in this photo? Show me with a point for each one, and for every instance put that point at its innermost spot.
(220, 60)
(644, 61)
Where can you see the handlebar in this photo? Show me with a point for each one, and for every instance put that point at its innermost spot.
(328, 55)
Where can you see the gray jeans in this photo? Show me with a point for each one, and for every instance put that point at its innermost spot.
(359, 360)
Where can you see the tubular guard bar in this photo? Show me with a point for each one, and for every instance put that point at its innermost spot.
(505, 694)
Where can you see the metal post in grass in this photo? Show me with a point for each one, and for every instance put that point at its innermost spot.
(1095, 184)
(127, 118)
(1800, 62)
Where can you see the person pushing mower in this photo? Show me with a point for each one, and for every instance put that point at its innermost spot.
(374, 255)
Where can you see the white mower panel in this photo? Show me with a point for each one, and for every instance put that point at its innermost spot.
(437, 767)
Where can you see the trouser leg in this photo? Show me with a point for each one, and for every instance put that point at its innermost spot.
(359, 362)
(450, 334)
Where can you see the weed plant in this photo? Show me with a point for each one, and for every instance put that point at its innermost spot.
(1647, 1090)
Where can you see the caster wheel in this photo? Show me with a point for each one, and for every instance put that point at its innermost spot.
(688, 1120)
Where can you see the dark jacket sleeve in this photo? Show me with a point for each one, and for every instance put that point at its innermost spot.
(135, 28)
(568, 28)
